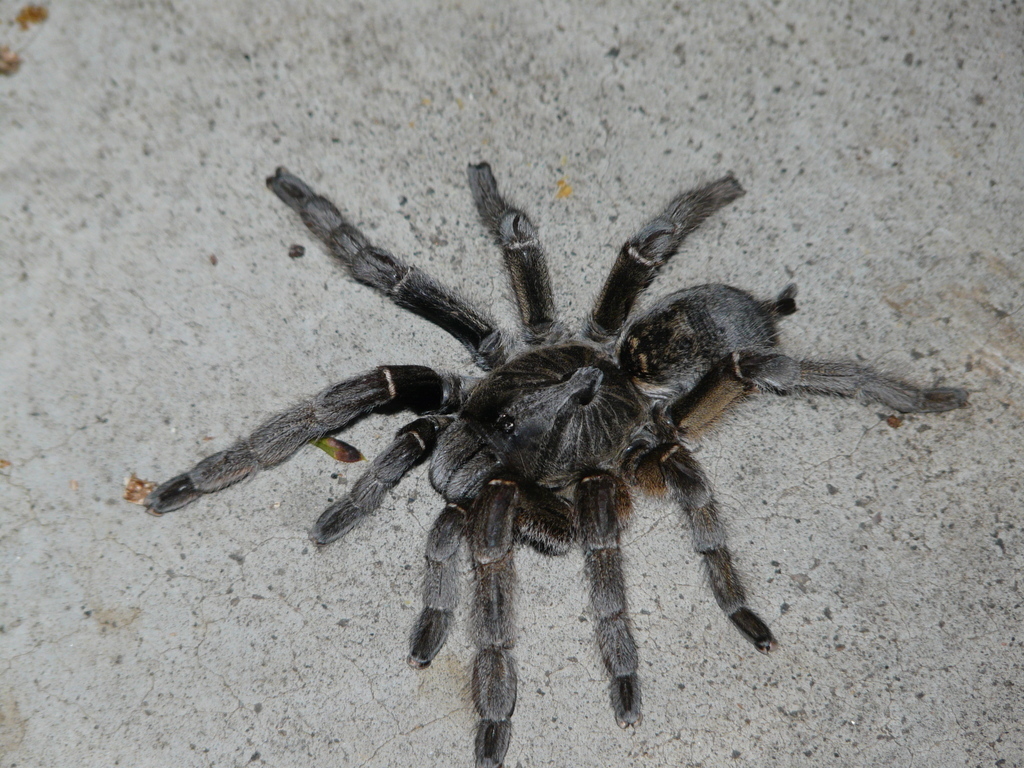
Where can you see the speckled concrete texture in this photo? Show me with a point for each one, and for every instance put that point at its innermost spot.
(150, 314)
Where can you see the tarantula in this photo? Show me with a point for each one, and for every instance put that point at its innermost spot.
(544, 448)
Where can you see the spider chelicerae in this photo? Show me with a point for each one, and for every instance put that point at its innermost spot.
(547, 447)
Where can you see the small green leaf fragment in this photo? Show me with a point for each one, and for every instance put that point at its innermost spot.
(338, 449)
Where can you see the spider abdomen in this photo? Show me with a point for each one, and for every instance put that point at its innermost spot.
(678, 339)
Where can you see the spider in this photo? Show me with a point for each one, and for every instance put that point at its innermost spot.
(546, 448)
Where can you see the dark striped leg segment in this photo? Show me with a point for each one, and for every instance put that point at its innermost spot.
(715, 394)
(602, 504)
(491, 538)
(440, 587)
(646, 252)
(673, 468)
(845, 379)
(396, 387)
(524, 258)
(406, 285)
(742, 373)
(413, 443)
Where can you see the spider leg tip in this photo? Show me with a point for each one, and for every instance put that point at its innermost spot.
(736, 189)
(753, 628)
(624, 724)
(943, 399)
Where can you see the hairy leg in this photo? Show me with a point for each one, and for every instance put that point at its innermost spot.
(492, 538)
(525, 263)
(407, 286)
(671, 467)
(412, 387)
(740, 374)
(440, 587)
(717, 392)
(646, 252)
(778, 373)
(602, 504)
(413, 443)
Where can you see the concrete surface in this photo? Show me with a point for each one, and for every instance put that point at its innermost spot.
(881, 148)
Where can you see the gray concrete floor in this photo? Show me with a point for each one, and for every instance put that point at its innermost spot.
(881, 149)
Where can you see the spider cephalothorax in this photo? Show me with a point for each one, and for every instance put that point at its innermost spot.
(545, 448)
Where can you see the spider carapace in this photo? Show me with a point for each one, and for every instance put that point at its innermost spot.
(547, 447)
